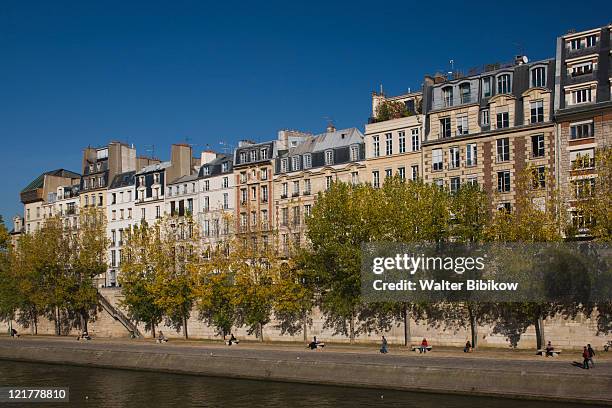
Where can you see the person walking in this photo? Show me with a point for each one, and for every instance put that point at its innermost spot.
(591, 354)
(383, 347)
(585, 356)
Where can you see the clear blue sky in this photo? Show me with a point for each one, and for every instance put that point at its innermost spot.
(82, 73)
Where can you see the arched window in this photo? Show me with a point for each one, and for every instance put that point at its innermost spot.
(538, 77)
(447, 96)
(504, 84)
(465, 92)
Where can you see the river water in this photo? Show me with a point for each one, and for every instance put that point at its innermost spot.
(109, 388)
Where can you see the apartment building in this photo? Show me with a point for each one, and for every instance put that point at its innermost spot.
(120, 220)
(152, 180)
(583, 111)
(393, 144)
(36, 195)
(486, 128)
(217, 198)
(64, 203)
(309, 167)
(100, 166)
(253, 176)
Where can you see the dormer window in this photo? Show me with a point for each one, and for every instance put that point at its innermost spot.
(464, 91)
(575, 44)
(243, 157)
(253, 155)
(295, 163)
(538, 77)
(329, 157)
(591, 40)
(156, 178)
(504, 84)
(91, 167)
(307, 161)
(264, 154)
(486, 87)
(283, 165)
(447, 96)
(98, 166)
(354, 152)
(224, 167)
(206, 170)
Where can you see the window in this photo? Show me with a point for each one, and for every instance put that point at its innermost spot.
(307, 186)
(416, 144)
(307, 210)
(206, 171)
(114, 198)
(225, 182)
(581, 130)
(537, 146)
(225, 201)
(505, 207)
(355, 177)
(503, 119)
(472, 180)
(462, 125)
(591, 40)
(113, 237)
(283, 165)
(401, 172)
(329, 157)
(296, 188)
(455, 183)
(295, 163)
(143, 213)
(454, 157)
(376, 145)
(582, 159)
(439, 182)
(447, 96)
(539, 177)
(484, 118)
(538, 77)
(264, 194)
(581, 95)
(445, 127)
(464, 91)
(157, 211)
(582, 69)
(471, 154)
(504, 84)
(307, 161)
(486, 87)
(376, 179)
(575, 44)
(285, 191)
(537, 111)
(243, 196)
(584, 188)
(264, 154)
(328, 182)
(354, 153)
(389, 144)
(224, 167)
(253, 154)
(206, 205)
(402, 141)
(415, 172)
(503, 181)
(253, 192)
(436, 159)
(207, 184)
(388, 173)
(263, 174)
(503, 149)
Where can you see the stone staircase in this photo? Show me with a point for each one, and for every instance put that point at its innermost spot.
(116, 314)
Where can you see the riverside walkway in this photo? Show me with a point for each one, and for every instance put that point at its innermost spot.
(512, 373)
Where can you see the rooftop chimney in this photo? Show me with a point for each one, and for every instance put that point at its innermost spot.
(180, 159)
(207, 156)
(330, 128)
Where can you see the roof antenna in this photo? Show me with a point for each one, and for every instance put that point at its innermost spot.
(381, 89)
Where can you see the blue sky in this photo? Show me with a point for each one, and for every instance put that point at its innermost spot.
(74, 74)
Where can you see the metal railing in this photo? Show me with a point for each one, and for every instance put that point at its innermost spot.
(456, 100)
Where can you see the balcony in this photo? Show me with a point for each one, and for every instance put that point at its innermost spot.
(572, 79)
(296, 194)
(457, 100)
(306, 193)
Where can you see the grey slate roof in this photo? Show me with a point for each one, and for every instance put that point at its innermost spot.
(328, 140)
(155, 167)
(123, 180)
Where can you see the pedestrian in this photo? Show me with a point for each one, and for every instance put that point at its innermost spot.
(14, 333)
(549, 349)
(383, 347)
(585, 356)
(468, 347)
(232, 340)
(591, 354)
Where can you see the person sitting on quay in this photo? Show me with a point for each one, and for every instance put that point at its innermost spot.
(549, 349)
(84, 336)
(468, 347)
(14, 333)
(383, 347)
(161, 338)
(314, 344)
(232, 340)
(585, 356)
(423, 347)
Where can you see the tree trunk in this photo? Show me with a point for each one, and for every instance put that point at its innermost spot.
(352, 328)
(539, 329)
(35, 324)
(153, 329)
(406, 318)
(260, 329)
(305, 326)
(58, 321)
(185, 327)
(473, 327)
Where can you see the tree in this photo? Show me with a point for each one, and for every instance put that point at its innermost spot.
(173, 285)
(391, 110)
(141, 264)
(9, 295)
